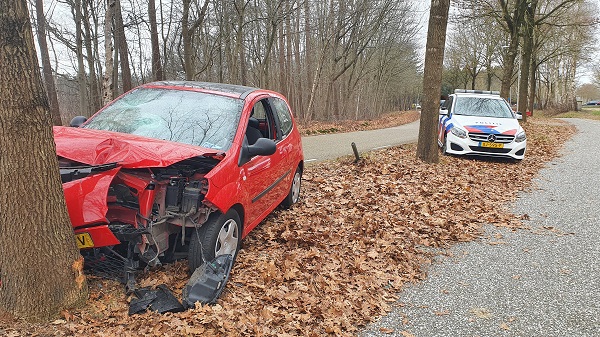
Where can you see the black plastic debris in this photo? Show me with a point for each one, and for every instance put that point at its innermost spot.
(160, 300)
(208, 281)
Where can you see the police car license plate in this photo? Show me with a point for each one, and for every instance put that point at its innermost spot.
(492, 145)
(84, 240)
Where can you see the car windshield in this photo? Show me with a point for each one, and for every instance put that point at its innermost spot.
(177, 115)
(482, 107)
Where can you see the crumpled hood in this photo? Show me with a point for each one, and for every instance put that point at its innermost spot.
(97, 147)
(489, 125)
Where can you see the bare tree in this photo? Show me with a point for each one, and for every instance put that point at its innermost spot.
(122, 47)
(157, 69)
(81, 75)
(187, 32)
(49, 277)
(427, 149)
(47, 68)
(107, 78)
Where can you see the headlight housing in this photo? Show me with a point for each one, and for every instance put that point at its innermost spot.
(520, 137)
(458, 132)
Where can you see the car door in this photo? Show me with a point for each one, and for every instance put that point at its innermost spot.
(265, 176)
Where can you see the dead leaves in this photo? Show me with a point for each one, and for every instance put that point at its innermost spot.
(385, 121)
(335, 261)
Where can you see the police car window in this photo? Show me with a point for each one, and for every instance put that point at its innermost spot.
(482, 107)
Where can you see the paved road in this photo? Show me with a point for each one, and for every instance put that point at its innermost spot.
(539, 282)
(324, 147)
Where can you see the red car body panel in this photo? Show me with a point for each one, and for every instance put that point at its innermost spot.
(97, 147)
(86, 198)
(254, 188)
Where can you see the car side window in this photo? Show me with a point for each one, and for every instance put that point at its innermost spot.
(284, 116)
(262, 112)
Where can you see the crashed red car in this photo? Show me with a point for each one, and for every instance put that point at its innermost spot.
(176, 169)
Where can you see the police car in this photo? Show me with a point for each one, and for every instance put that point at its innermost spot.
(480, 123)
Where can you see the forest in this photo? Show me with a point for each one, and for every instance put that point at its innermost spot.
(333, 59)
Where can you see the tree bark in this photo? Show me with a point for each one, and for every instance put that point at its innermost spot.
(528, 27)
(427, 149)
(157, 70)
(107, 79)
(94, 97)
(512, 22)
(41, 270)
(123, 50)
(47, 68)
(81, 75)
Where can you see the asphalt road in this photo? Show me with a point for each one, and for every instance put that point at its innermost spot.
(324, 147)
(543, 281)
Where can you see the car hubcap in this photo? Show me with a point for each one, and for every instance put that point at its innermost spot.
(227, 241)
(296, 187)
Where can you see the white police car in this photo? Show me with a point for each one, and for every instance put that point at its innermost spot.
(480, 123)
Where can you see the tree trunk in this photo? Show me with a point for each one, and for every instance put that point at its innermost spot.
(187, 42)
(427, 149)
(157, 70)
(81, 76)
(107, 79)
(526, 58)
(123, 51)
(513, 24)
(47, 68)
(41, 270)
(94, 97)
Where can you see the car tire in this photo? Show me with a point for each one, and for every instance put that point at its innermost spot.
(294, 193)
(220, 235)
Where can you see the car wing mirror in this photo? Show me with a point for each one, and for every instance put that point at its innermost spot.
(443, 111)
(519, 115)
(77, 121)
(262, 147)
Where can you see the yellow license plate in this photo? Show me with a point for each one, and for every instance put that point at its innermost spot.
(492, 145)
(84, 240)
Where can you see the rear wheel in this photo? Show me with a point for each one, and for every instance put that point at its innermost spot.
(220, 235)
(294, 194)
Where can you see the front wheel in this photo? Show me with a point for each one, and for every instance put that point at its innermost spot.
(294, 194)
(220, 235)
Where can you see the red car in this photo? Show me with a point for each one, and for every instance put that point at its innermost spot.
(175, 169)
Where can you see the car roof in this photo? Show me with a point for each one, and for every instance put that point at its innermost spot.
(477, 93)
(239, 91)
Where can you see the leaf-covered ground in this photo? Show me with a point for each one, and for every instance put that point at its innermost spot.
(386, 121)
(336, 260)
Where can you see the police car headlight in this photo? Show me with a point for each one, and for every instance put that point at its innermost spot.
(520, 137)
(458, 132)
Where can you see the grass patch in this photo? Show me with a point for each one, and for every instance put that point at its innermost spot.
(585, 113)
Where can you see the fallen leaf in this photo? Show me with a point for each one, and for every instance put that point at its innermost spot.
(481, 313)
